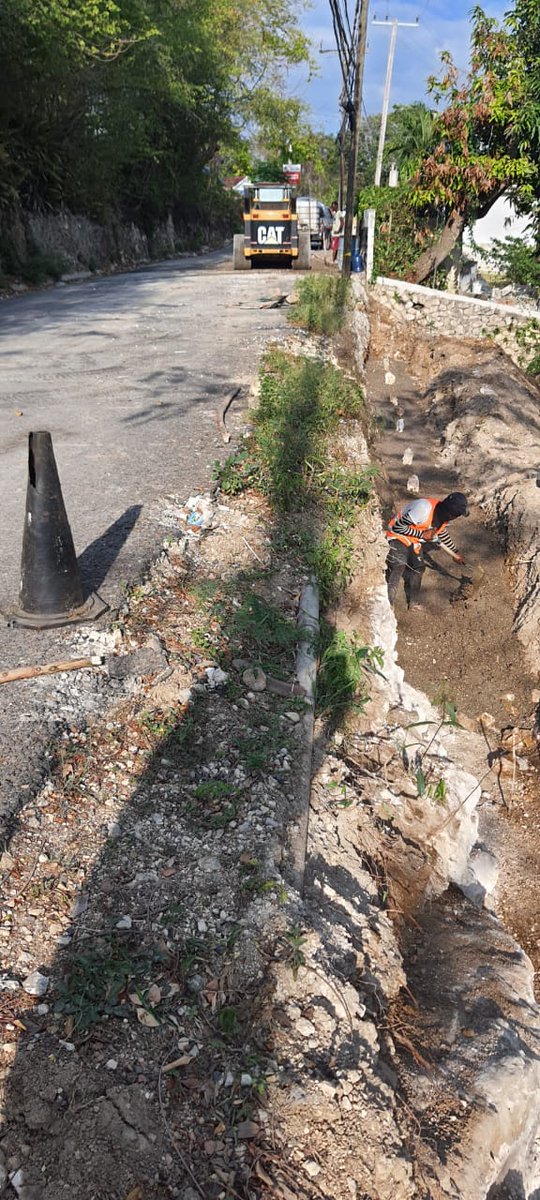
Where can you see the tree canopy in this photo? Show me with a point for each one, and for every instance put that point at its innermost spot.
(487, 135)
(124, 104)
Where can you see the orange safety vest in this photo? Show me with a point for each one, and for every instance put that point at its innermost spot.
(422, 526)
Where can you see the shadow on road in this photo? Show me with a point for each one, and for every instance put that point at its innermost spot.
(96, 561)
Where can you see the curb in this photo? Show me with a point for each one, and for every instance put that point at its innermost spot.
(306, 674)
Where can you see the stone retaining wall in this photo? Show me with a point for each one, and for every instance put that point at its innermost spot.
(454, 315)
(82, 245)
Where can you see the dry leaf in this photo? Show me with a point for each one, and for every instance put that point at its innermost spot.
(184, 1061)
(153, 994)
(167, 872)
(147, 1018)
(136, 1193)
(69, 1026)
(19, 412)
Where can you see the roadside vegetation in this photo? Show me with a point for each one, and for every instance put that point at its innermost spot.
(480, 141)
(293, 458)
(137, 111)
(322, 304)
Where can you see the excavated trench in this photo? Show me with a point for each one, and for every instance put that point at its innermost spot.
(462, 872)
(462, 646)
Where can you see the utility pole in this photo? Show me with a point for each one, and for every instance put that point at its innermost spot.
(395, 25)
(354, 113)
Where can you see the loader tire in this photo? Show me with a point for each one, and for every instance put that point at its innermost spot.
(303, 262)
(240, 262)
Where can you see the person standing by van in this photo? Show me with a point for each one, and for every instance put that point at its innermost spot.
(338, 227)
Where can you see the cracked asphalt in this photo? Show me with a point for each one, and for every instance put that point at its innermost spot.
(126, 373)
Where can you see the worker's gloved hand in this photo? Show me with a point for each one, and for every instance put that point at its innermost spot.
(459, 558)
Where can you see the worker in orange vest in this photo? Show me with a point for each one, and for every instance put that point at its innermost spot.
(422, 522)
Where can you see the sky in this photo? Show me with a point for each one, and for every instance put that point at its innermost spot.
(442, 25)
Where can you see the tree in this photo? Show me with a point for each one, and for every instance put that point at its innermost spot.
(410, 137)
(487, 135)
(516, 262)
(122, 104)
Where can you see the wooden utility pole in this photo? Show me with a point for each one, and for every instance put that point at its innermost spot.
(355, 114)
(394, 25)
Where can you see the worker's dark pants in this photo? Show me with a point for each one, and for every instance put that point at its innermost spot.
(403, 562)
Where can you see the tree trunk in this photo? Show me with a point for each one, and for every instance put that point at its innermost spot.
(431, 258)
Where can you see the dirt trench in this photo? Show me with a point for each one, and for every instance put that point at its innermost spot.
(462, 646)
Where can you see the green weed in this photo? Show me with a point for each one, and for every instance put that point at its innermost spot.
(292, 942)
(302, 401)
(259, 627)
(228, 1020)
(214, 789)
(344, 663)
(96, 981)
(322, 304)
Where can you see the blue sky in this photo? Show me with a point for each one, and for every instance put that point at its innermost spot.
(443, 25)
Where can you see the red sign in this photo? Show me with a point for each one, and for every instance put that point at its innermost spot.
(292, 172)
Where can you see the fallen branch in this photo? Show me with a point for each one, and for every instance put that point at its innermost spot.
(74, 664)
(220, 415)
(277, 302)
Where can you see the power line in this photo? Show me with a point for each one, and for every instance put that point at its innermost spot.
(355, 114)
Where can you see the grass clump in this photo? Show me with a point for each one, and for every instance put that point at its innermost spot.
(344, 662)
(287, 458)
(261, 628)
(322, 304)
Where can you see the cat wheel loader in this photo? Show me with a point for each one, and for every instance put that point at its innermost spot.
(271, 236)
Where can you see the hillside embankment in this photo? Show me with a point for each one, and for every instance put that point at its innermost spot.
(40, 247)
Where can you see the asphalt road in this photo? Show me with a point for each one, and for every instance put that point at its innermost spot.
(126, 372)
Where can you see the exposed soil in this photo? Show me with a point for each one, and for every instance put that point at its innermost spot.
(461, 645)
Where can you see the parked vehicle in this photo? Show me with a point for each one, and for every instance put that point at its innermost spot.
(310, 219)
(272, 232)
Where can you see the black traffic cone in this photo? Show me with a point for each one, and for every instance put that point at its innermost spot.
(50, 591)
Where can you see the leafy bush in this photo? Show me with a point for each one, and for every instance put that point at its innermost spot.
(402, 231)
(322, 303)
(41, 266)
(528, 337)
(344, 662)
(516, 262)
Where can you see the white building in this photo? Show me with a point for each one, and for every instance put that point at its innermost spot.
(500, 222)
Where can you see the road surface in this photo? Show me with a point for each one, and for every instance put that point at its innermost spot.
(126, 372)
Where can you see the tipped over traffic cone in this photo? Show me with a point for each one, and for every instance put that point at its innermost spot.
(50, 591)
